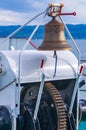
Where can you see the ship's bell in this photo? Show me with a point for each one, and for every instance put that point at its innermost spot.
(54, 38)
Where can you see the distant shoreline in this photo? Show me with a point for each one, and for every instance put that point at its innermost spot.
(78, 31)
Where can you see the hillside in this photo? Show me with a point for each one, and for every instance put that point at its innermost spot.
(77, 31)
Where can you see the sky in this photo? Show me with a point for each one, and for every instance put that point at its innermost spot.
(17, 12)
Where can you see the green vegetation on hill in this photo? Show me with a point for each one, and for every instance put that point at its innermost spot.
(77, 31)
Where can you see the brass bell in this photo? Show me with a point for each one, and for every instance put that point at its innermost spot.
(54, 38)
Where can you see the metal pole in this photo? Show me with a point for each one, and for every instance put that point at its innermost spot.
(20, 55)
(74, 94)
(76, 89)
(77, 109)
(39, 97)
(22, 27)
(19, 72)
(55, 56)
(79, 54)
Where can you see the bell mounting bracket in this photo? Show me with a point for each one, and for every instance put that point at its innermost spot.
(55, 10)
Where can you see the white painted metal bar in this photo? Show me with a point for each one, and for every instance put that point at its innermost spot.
(9, 36)
(39, 97)
(20, 55)
(22, 27)
(79, 54)
(77, 109)
(19, 70)
(55, 67)
(74, 94)
(78, 78)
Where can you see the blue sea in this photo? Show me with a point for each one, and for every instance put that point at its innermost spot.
(81, 43)
(82, 126)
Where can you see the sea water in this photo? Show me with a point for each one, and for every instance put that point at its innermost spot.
(82, 126)
(19, 44)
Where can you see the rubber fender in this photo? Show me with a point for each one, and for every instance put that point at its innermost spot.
(5, 120)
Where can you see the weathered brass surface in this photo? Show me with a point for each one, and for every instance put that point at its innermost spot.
(54, 38)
